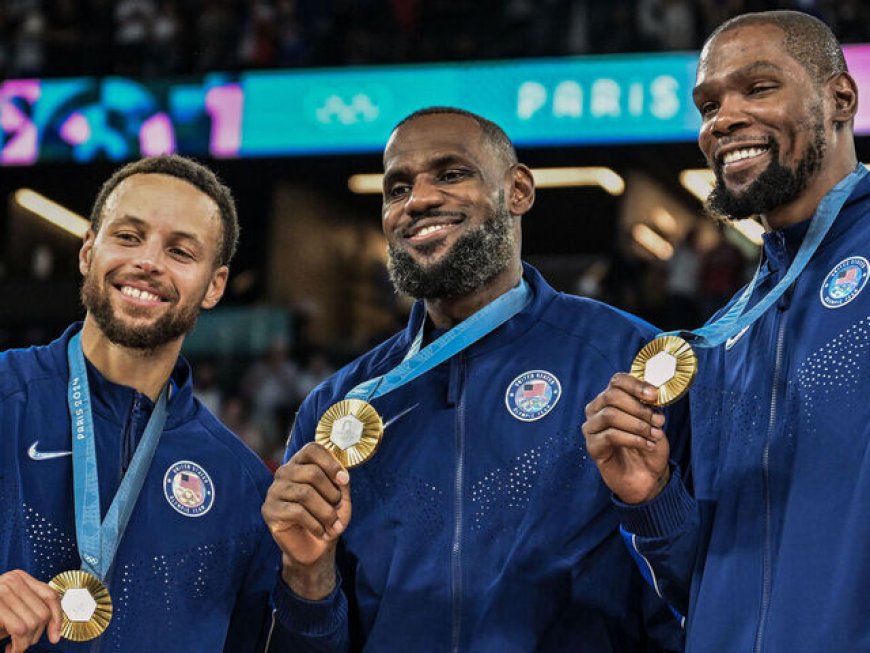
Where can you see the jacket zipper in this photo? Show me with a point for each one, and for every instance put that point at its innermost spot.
(766, 571)
(456, 551)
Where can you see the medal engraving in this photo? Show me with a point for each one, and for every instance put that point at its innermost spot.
(668, 363)
(78, 605)
(346, 432)
(660, 369)
(86, 605)
(351, 431)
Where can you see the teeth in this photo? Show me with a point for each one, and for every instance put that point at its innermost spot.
(139, 294)
(425, 231)
(739, 155)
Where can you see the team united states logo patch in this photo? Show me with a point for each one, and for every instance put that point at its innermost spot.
(532, 395)
(844, 282)
(188, 488)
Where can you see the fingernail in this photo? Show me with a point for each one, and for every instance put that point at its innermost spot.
(650, 444)
(337, 527)
(343, 478)
(649, 393)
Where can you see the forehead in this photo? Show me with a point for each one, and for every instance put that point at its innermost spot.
(160, 196)
(436, 136)
(740, 48)
(165, 204)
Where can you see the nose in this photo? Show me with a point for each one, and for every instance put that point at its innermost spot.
(730, 116)
(424, 195)
(149, 257)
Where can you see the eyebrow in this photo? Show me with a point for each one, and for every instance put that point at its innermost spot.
(744, 71)
(439, 162)
(128, 219)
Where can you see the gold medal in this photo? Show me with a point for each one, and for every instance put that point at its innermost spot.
(350, 430)
(86, 604)
(668, 363)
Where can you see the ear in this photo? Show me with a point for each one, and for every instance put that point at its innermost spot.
(216, 287)
(85, 252)
(522, 193)
(845, 94)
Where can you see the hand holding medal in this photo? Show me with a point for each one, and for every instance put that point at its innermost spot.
(624, 433)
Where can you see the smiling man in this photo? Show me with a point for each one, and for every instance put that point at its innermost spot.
(768, 552)
(478, 524)
(130, 514)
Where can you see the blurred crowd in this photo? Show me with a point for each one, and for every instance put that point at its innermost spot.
(259, 404)
(146, 38)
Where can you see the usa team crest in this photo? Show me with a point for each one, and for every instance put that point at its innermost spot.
(188, 488)
(532, 395)
(844, 282)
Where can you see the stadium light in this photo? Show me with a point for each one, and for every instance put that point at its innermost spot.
(651, 241)
(51, 211)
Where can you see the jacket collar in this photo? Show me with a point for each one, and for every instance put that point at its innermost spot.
(520, 324)
(113, 401)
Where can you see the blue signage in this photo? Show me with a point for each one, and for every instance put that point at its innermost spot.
(549, 102)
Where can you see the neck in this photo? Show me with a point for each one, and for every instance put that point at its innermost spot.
(447, 313)
(146, 371)
(804, 206)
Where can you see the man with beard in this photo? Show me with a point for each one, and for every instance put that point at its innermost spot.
(478, 524)
(119, 491)
(766, 550)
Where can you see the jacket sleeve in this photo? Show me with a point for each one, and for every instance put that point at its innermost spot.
(301, 625)
(304, 626)
(663, 537)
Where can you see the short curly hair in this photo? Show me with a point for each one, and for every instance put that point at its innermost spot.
(192, 172)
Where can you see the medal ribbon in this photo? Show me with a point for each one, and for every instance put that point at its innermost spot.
(419, 361)
(734, 319)
(98, 543)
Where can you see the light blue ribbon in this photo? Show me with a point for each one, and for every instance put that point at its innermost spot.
(734, 319)
(419, 361)
(98, 543)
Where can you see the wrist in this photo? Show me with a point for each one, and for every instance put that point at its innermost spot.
(312, 582)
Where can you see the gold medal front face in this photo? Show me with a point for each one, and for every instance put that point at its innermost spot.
(351, 431)
(86, 604)
(670, 364)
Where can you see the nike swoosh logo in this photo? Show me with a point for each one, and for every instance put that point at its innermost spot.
(733, 339)
(35, 454)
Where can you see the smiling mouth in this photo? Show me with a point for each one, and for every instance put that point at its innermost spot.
(743, 154)
(140, 294)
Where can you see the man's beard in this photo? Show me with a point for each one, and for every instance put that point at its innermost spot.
(476, 257)
(169, 327)
(775, 186)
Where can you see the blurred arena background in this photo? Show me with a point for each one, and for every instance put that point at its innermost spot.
(291, 101)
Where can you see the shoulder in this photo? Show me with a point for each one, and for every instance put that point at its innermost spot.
(21, 368)
(595, 324)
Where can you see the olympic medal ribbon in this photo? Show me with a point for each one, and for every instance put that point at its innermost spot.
(659, 361)
(352, 429)
(98, 540)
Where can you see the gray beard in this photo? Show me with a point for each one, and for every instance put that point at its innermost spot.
(477, 257)
(775, 186)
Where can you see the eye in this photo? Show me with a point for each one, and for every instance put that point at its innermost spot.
(707, 108)
(127, 237)
(761, 87)
(181, 253)
(454, 175)
(396, 191)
